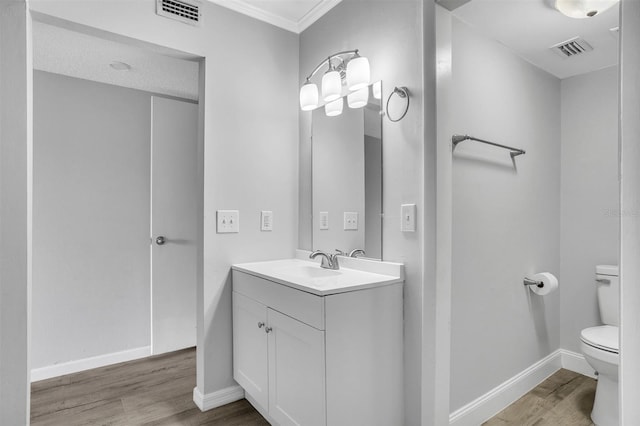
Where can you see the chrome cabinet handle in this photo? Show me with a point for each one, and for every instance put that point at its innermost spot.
(260, 324)
(161, 240)
(603, 280)
(268, 330)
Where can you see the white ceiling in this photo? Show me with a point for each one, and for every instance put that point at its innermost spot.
(78, 55)
(530, 27)
(292, 15)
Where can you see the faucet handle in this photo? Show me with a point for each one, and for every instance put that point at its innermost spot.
(329, 261)
(356, 252)
(340, 252)
(333, 260)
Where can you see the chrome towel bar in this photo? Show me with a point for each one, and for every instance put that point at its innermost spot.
(456, 139)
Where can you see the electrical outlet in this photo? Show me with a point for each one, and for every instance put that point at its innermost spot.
(350, 221)
(228, 221)
(324, 221)
(266, 220)
(408, 217)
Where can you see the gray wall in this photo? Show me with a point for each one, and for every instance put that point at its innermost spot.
(15, 211)
(249, 149)
(589, 196)
(630, 205)
(91, 183)
(506, 216)
(390, 35)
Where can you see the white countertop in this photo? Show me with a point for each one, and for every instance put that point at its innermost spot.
(308, 276)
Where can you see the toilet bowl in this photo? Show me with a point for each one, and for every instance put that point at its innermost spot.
(600, 346)
(601, 350)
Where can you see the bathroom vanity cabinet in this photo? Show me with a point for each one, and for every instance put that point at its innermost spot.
(333, 358)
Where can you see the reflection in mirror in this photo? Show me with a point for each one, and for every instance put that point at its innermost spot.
(347, 178)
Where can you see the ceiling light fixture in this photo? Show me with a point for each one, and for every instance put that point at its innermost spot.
(583, 8)
(342, 67)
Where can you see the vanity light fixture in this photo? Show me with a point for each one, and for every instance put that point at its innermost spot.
(308, 96)
(583, 8)
(358, 73)
(359, 98)
(377, 90)
(334, 108)
(331, 85)
(346, 67)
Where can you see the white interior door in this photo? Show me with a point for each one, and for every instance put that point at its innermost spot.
(174, 129)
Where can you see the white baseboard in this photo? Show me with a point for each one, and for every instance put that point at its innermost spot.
(61, 369)
(494, 401)
(575, 362)
(499, 398)
(218, 398)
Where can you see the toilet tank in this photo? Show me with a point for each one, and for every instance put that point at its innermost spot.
(608, 291)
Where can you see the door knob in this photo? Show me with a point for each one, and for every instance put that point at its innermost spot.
(160, 240)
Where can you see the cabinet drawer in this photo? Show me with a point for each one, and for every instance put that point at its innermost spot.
(305, 307)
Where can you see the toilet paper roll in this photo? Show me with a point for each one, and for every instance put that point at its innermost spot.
(549, 283)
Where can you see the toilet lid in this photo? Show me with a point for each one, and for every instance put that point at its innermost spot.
(603, 337)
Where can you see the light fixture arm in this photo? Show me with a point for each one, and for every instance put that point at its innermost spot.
(329, 58)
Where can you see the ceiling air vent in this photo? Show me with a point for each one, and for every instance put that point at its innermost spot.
(180, 10)
(572, 47)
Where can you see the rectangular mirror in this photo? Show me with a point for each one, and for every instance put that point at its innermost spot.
(347, 178)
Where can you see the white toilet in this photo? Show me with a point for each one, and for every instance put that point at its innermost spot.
(600, 346)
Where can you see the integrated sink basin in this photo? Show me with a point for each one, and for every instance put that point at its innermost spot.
(308, 276)
(309, 272)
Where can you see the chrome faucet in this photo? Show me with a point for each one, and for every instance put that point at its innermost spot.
(329, 261)
(356, 253)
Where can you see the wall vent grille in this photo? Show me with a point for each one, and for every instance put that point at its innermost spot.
(180, 10)
(572, 47)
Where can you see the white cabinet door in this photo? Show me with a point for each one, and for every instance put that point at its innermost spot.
(250, 365)
(296, 372)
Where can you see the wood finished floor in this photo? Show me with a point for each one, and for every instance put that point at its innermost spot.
(159, 391)
(564, 399)
(151, 391)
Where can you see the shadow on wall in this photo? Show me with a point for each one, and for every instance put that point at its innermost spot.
(507, 165)
(538, 313)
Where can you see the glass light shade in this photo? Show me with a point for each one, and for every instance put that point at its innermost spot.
(308, 97)
(331, 86)
(359, 98)
(358, 74)
(334, 108)
(377, 90)
(583, 8)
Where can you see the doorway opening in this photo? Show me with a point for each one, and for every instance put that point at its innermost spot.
(117, 186)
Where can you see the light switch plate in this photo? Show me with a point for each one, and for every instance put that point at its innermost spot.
(228, 221)
(350, 221)
(408, 217)
(324, 221)
(266, 220)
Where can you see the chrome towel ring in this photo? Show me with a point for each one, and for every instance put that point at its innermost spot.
(403, 93)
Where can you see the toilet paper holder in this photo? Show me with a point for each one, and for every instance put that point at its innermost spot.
(529, 282)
